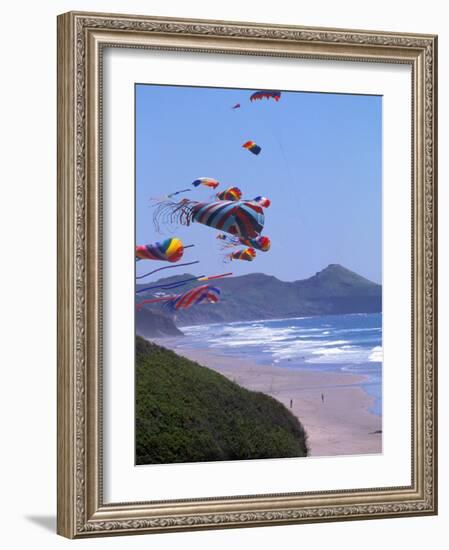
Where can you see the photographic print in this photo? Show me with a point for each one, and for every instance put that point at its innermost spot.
(258, 274)
(247, 247)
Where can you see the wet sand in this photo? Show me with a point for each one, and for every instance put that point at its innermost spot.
(332, 408)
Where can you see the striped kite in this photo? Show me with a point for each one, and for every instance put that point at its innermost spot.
(195, 296)
(170, 250)
(230, 194)
(192, 297)
(261, 242)
(246, 254)
(263, 201)
(243, 218)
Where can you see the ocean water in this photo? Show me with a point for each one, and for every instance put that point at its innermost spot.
(349, 343)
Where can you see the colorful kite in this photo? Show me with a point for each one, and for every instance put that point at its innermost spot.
(170, 250)
(207, 182)
(246, 254)
(265, 95)
(253, 147)
(230, 194)
(261, 242)
(243, 218)
(263, 201)
(195, 296)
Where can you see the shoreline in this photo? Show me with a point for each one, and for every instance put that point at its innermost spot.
(332, 406)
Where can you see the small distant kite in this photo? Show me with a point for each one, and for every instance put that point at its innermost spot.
(262, 201)
(247, 254)
(230, 194)
(253, 147)
(261, 242)
(234, 194)
(207, 182)
(265, 95)
(236, 106)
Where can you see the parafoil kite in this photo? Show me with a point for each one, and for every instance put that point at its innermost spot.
(175, 302)
(247, 254)
(265, 94)
(263, 201)
(242, 218)
(195, 296)
(207, 182)
(261, 242)
(230, 194)
(170, 250)
(253, 147)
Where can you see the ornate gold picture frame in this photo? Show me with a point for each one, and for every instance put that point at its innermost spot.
(82, 40)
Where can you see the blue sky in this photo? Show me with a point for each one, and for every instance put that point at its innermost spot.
(320, 165)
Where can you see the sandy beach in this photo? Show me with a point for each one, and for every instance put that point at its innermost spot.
(332, 407)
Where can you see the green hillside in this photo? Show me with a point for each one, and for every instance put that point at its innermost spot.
(189, 413)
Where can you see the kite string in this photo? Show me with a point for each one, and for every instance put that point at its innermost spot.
(167, 286)
(215, 277)
(174, 284)
(266, 121)
(170, 213)
(167, 267)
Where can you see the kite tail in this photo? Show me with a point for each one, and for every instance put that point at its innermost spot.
(167, 267)
(228, 241)
(167, 286)
(153, 301)
(178, 193)
(226, 246)
(170, 213)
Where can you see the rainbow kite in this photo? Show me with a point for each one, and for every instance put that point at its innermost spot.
(252, 147)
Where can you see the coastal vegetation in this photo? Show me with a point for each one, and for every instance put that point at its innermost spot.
(188, 413)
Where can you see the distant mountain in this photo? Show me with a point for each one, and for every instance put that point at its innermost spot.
(334, 290)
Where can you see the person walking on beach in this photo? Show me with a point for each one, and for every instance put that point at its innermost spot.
(322, 398)
(291, 403)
